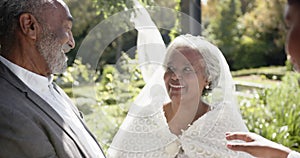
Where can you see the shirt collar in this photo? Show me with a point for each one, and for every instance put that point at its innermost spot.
(34, 81)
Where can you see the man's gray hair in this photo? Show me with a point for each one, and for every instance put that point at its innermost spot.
(10, 10)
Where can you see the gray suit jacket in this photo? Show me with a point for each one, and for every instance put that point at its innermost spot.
(29, 127)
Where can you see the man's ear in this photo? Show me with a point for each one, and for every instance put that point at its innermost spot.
(29, 25)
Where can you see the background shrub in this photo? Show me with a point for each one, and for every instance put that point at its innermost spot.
(274, 113)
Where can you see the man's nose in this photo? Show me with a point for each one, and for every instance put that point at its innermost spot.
(71, 41)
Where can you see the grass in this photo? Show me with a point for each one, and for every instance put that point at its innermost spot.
(259, 77)
(267, 71)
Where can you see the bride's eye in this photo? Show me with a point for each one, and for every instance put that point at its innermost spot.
(170, 69)
(188, 70)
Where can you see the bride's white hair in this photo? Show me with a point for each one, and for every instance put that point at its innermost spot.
(205, 49)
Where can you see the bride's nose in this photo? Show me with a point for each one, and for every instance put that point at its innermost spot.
(176, 76)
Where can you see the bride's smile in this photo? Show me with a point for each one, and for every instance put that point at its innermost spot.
(176, 86)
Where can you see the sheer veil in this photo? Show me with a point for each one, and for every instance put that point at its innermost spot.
(145, 132)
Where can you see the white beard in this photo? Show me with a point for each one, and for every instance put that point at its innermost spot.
(53, 52)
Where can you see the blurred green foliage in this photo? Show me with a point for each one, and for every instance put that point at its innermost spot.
(121, 82)
(119, 85)
(106, 98)
(77, 74)
(90, 13)
(271, 72)
(250, 33)
(275, 112)
(222, 29)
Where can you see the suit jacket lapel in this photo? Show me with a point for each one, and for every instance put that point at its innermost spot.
(46, 108)
(77, 113)
(40, 103)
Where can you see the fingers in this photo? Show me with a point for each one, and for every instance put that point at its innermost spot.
(244, 136)
(247, 147)
(237, 147)
(254, 144)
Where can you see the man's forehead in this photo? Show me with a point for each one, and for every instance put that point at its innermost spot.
(61, 4)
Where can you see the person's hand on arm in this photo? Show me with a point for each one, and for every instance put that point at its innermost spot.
(256, 145)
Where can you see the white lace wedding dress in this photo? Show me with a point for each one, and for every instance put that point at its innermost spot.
(150, 137)
(145, 132)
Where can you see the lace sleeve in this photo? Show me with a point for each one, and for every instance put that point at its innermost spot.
(294, 154)
(206, 137)
(147, 137)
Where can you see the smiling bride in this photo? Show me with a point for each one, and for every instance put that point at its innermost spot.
(186, 106)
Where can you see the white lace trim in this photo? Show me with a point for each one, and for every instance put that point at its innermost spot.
(294, 154)
(151, 137)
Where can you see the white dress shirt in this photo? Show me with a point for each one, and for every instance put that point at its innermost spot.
(59, 101)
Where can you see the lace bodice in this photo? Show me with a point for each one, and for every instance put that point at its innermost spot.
(150, 136)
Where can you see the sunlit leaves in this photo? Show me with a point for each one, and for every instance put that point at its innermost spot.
(275, 114)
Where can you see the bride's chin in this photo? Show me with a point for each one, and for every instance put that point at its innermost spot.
(174, 92)
(175, 95)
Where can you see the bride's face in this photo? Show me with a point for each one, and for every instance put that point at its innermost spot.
(185, 76)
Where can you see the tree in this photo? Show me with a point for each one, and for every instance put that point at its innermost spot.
(223, 30)
(88, 14)
(118, 34)
(262, 37)
(249, 32)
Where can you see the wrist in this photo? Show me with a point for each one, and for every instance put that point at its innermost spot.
(283, 152)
